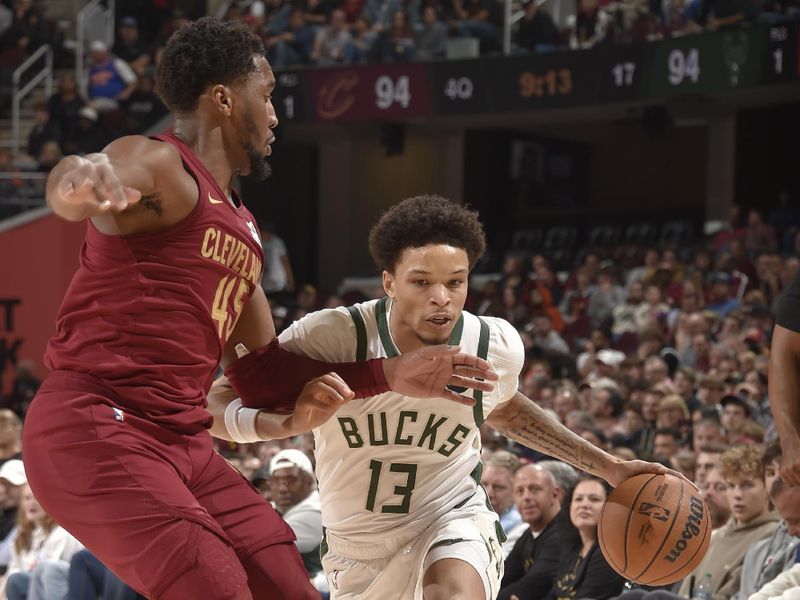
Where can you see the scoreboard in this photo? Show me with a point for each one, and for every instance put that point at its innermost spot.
(706, 63)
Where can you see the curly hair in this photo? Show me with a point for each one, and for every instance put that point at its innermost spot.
(423, 220)
(742, 462)
(203, 53)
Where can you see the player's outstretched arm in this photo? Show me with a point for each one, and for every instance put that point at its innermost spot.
(320, 399)
(108, 186)
(524, 421)
(784, 398)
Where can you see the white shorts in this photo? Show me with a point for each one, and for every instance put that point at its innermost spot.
(394, 568)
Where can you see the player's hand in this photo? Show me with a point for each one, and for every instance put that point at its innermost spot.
(91, 188)
(790, 463)
(320, 399)
(628, 468)
(427, 372)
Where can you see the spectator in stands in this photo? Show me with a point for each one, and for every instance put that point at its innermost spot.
(720, 299)
(111, 80)
(735, 411)
(278, 277)
(128, 46)
(566, 401)
(770, 557)
(545, 337)
(708, 432)
(26, 33)
(88, 578)
(470, 18)
(666, 444)
(49, 156)
(605, 406)
(606, 296)
(498, 481)
(364, 37)
(143, 108)
(707, 460)
(318, 12)
(714, 493)
(588, 25)
(65, 105)
(12, 481)
(743, 471)
(583, 571)
(759, 236)
(380, 12)
(536, 32)
(396, 44)
(90, 137)
(532, 564)
(431, 38)
(38, 538)
(44, 129)
(293, 46)
(296, 499)
(333, 41)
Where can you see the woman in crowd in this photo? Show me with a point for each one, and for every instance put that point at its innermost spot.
(40, 555)
(583, 571)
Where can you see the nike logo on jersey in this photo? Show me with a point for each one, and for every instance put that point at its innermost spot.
(213, 200)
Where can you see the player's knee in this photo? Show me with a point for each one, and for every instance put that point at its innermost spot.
(214, 572)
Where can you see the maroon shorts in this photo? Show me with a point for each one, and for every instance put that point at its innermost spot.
(139, 496)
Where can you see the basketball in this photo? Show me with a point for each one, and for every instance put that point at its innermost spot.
(654, 529)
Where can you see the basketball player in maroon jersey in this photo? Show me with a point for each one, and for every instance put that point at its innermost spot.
(116, 444)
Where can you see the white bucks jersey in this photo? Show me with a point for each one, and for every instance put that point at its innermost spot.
(391, 462)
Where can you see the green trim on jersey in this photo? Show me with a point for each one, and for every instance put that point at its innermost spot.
(361, 333)
(383, 329)
(323, 545)
(386, 336)
(483, 352)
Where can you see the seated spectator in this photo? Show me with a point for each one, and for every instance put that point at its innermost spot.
(720, 300)
(128, 46)
(38, 538)
(396, 44)
(770, 557)
(714, 492)
(317, 12)
(297, 501)
(707, 460)
(431, 38)
(44, 130)
(363, 46)
(65, 105)
(498, 481)
(587, 26)
(88, 578)
(380, 13)
(582, 570)
(111, 80)
(143, 108)
(536, 32)
(531, 566)
(90, 137)
(666, 444)
(26, 33)
(49, 156)
(333, 41)
(543, 335)
(751, 521)
(12, 482)
(470, 18)
(735, 411)
(293, 46)
(783, 587)
(606, 296)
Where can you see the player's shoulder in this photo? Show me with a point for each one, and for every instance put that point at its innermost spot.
(331, 321)
(148, 151)
(505, 343)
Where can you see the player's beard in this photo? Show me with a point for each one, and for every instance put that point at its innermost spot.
(260, 169)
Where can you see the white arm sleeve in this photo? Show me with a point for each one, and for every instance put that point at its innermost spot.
(241, 423)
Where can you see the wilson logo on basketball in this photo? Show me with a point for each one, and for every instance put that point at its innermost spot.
(654, 511)
(690, 529)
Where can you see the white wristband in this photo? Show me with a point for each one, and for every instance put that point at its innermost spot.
(241, 423)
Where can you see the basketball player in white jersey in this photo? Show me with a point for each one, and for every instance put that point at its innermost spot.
(403, 511)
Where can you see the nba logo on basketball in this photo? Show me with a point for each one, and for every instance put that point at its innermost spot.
(653, 511)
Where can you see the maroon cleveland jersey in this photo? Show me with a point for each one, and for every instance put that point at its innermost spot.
(149, 314)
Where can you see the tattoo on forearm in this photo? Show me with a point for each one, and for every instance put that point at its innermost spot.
(540, 432)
